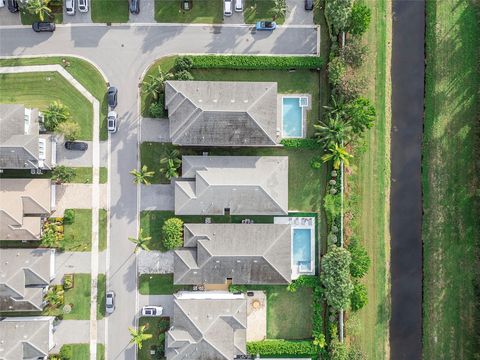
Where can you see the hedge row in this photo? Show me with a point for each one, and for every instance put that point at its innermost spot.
(243, 62)
(277, 347)
(306, 143)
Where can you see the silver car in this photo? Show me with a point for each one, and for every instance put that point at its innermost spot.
(110, 302)
(70, 7)
(112, 122)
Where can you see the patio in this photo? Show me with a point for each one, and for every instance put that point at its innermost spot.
(256, 316)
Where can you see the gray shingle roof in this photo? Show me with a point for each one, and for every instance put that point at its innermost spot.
(222, 113)
(208, 328)
(23, 275)
(246, 253)
(247, 185)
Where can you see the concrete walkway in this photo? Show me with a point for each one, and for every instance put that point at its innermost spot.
(156, 130)
(81, 158)
(78, 196)
(166, 301)
(157, 197)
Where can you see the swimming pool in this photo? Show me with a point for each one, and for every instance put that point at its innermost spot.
(302, 249)
(292, 117)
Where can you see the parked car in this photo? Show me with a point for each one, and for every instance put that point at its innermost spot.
(2, 3)
(151, 310)
(135, 6)
(112, 121)
(70, 7)
(76, 145)
(238, 5)
(227, 7)
(83, 6)
(308, 5)
(112, 96)
(265, 25)
(43, 26)
(12, 6)
(110, 302)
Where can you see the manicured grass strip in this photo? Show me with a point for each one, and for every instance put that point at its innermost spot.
(100, 352)
(77, 351)
(101, 290)
(102, 229)
(156, 326)
(78, 236)
(84, 72)
(27, 89)
(110, 11)
(202, 11)
(103, 175)
(83, 175)
(450, 179)
(255, 10)
(79, 299)
(159, 284)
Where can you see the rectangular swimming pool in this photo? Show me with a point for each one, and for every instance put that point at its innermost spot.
(292, 117)
(302, 249)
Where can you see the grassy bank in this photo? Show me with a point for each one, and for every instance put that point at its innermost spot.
(369, 186)
(451, 227)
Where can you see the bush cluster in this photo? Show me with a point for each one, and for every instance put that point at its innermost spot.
(277, 347)
(307, 143)
(243, 62)
(172, 231)
(235, 289)
(157, 109)
(335, 277)
(69, 216)
(360, 259)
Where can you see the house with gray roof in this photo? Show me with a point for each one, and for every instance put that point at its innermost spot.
(239, 185)
(26, 338)
(207, 325)
(240, 253)
(24, 203)
(21, 144)
(222, 113)
(24, 278)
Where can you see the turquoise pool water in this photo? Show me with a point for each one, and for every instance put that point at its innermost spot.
(301, 248)
(292, 117)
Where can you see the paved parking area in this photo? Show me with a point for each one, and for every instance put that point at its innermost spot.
(157, 197)
(77, 196)
(166, 301)
(155, 130)
(147, 13)
(236, 18)
(78, 18)
(81, 158)
(7, 18)
(296, 13)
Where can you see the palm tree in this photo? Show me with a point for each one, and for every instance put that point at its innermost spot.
(155, 83)
(173, 155)
(171, 170)
(54, 297)
(55, 114)
(338, 155)
(141, 176)
(139, 336)
(39, 8)
(333, 131)
(338, 106)
(141, 242)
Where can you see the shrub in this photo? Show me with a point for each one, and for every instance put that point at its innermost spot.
(332, 207)
(237, 288)
(277, 347)
(360, 259)
(182, 63)
(69, 216)
(156, 109)
(63, 174)
(69, 129)
(335, 277)
(338, 350)
(244, 62)
(359, 19)
(316, 163)
(183, 75)
(336, 70)
(66, 352)
(354, 52)
(172, 231)
(338, 14)
(55, 114)
(308, 143)
(359, 297)
(68, 281)
(361, 114)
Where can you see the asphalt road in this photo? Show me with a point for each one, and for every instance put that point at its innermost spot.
(406, 195)
(123, 53)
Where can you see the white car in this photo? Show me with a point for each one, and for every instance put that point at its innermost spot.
(112, 121)
(238, 5)
(110, 302)
(70, 7)
(83, 6)
(151, 310)
(227, 7)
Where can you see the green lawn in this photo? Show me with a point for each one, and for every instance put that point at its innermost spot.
(78, 236)
(24, 88)
(101, 291)
(159, 284)
(102, 229)
(100, 352)
(78, 297)
(369, 185)
(110, 11)
(202, 11)
(155, 326)
(255, 10)
(451, 226)
(84, 72)
(56, 16)
(83, 175)
(304, 183)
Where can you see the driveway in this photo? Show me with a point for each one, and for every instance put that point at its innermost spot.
(81, 158)
(77, 196)
(78, 18)
(157, 197)
(296, 13)
(71, 262)
(75, 332)
(166, 301)
(155, 262)
(147, 13)
(155, 130)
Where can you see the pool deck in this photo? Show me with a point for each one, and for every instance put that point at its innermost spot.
(304, 112)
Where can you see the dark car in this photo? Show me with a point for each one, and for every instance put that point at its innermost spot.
(308, 5)
(12, 6)
(112, 96)
(43, 26)
(135, 6)
(76, 145)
